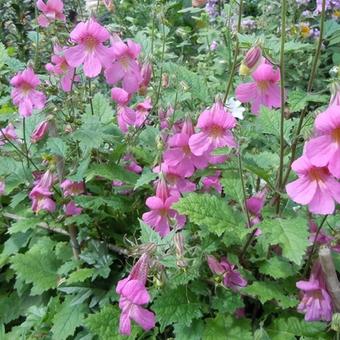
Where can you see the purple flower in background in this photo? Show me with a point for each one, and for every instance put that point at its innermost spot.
(231, 277)
(211, 9)
(316, 303)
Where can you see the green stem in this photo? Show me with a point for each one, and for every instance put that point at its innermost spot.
(236, 53)
(282, 84)
(36, 56)
(240, 172)
(309, 89)
(17, 149)
(90, 97)
(25, 142)
(161, 69)
(314, 245)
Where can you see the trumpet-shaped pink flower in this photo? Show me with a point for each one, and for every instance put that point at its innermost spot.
(41, 194)
(125, 68)
(161, 213)
(215, 125)
(60, 67)
(231, 277)
(179, 154)
(9, 133)
(316, 303)
(71, 209)
(142, 111)
(90, 50)
(133, 295)
(51, 10)
(24, 93)
(71, 188)
(177, 184)
(324, 149)
(131, 164)
(263, 91)
(126, 117)
(120, 96)
(315, 187)
(40, 131)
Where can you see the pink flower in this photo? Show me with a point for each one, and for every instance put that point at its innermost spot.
(24, 93)
(179, 154)
(255, 205)
(126, 117)
(231, 277)
(71, 209)
(131, 164)
(60, 67)
(40, 194)
(71, 188)
(125, 67)
(316, 303)
(315, 187)
(324, 149)
(2, 187)
(176, 182)
(215, 124)
(90, 50)
(9, 133)
(133, 294)
(263, 91)
(142, 111)
(212, 182)
(40, 131)
(161, 213)
(51, 10)
(164, 117)
(120, 96)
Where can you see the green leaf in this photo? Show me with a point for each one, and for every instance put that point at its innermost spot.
(105, 324)
(197, 85)
(290, 328)
(298, 100)
(23, 225)
(207, 210)
(67, 319)
(176, 306)
(291, 235)
(101, 108)
(80, 275)
(38, 266)
(146, 177)
(192, 332)
(225, 327)
(111, 172)
(56, 146)
(268, 122)
(277, 267)
(267, 291)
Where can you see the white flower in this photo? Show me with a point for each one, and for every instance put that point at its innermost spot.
(235, 108)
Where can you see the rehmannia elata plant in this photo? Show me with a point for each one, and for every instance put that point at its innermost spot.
(170, 170)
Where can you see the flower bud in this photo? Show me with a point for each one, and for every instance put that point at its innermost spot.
(165, 80)
(40, 131)
(251, 60)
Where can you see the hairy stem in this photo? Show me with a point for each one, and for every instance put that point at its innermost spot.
(282, 84)
(236, 53)
(90, 96)
(25, 142)
(309, 89)
(313, 246)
